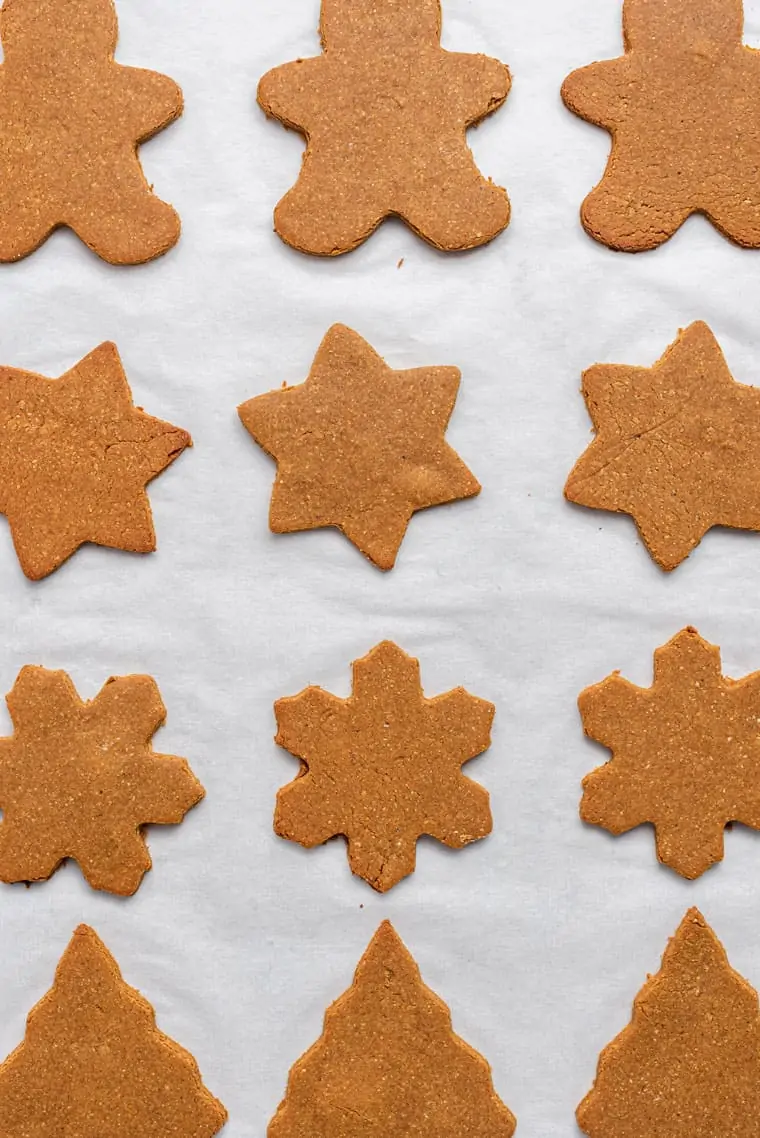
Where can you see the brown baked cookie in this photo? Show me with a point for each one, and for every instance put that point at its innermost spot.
(71, 120)
(688, 1064)
(359, 446)
(383, 767)
(685, 753)
(80, 780)
(75, 458)
(388, 1063)
(676, 447)
(683, 108)
(93, 1063)
(384, 110)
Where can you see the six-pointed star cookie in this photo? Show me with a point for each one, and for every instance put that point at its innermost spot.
(384, 110)
(383, 766)
(677, 447)
(685, 753)
(93, 1063)
(75, 457)
(359, 446)
(683, 108)
(80, 780)
(71, 120)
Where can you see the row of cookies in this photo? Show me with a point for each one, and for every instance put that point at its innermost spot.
(387, 1055)
(384, 109)
(361, 446)
(104, 783)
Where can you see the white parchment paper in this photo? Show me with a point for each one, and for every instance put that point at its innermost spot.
(538, 937)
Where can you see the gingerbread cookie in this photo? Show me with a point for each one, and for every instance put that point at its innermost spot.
(75, 457)
(359, 446)
(688, 1064)
(683, 108)
(388, 1063)
(685, 753)
(80, 780)
(93, 1063)
(383, 767)
(384, 111)
(71, 120)
(676, 447)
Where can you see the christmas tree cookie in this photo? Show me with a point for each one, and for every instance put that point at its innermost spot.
(75, 458)
(93, 1063)
(388, 1063)
(383, 767)
(384, 110)
(80, 780)
(71, 120)
(676, 447)
(683, 106)
(360, 446)
(688, 1064)
(685, 753)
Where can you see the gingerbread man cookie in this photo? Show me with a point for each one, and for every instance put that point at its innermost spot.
(384, 111)
(683, 108)
(71, 120)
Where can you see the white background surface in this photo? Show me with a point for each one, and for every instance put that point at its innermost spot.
(538, 937)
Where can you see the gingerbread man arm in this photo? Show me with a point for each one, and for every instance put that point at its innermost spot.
(597, 92)
(483, 84)
(290, 92)
(151, 100)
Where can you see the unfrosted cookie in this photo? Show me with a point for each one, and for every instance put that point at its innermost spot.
(384, 110)
(388, 1063)
(359, 446)
(71, 120)
(80, 780)
(93, 1064)
(676, 447)
(685, 753)
(688, 1064)
(683, 108)
(383, 766)
(75, 458)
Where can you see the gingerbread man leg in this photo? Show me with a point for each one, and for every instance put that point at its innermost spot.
(738, 217)
(459, 209)
(127, 224)
(325, 213)
(630, 216)
(23, 227)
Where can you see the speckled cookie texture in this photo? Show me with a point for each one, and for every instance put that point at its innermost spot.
(75, 458)
(71, 120)
(676, 447)
(383, 766)
(389, 1064)
(384, 110)
(93, 1064)
(360, 446)
(685, 753)
(683, 108)
(80, 780)
(688, 1064)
